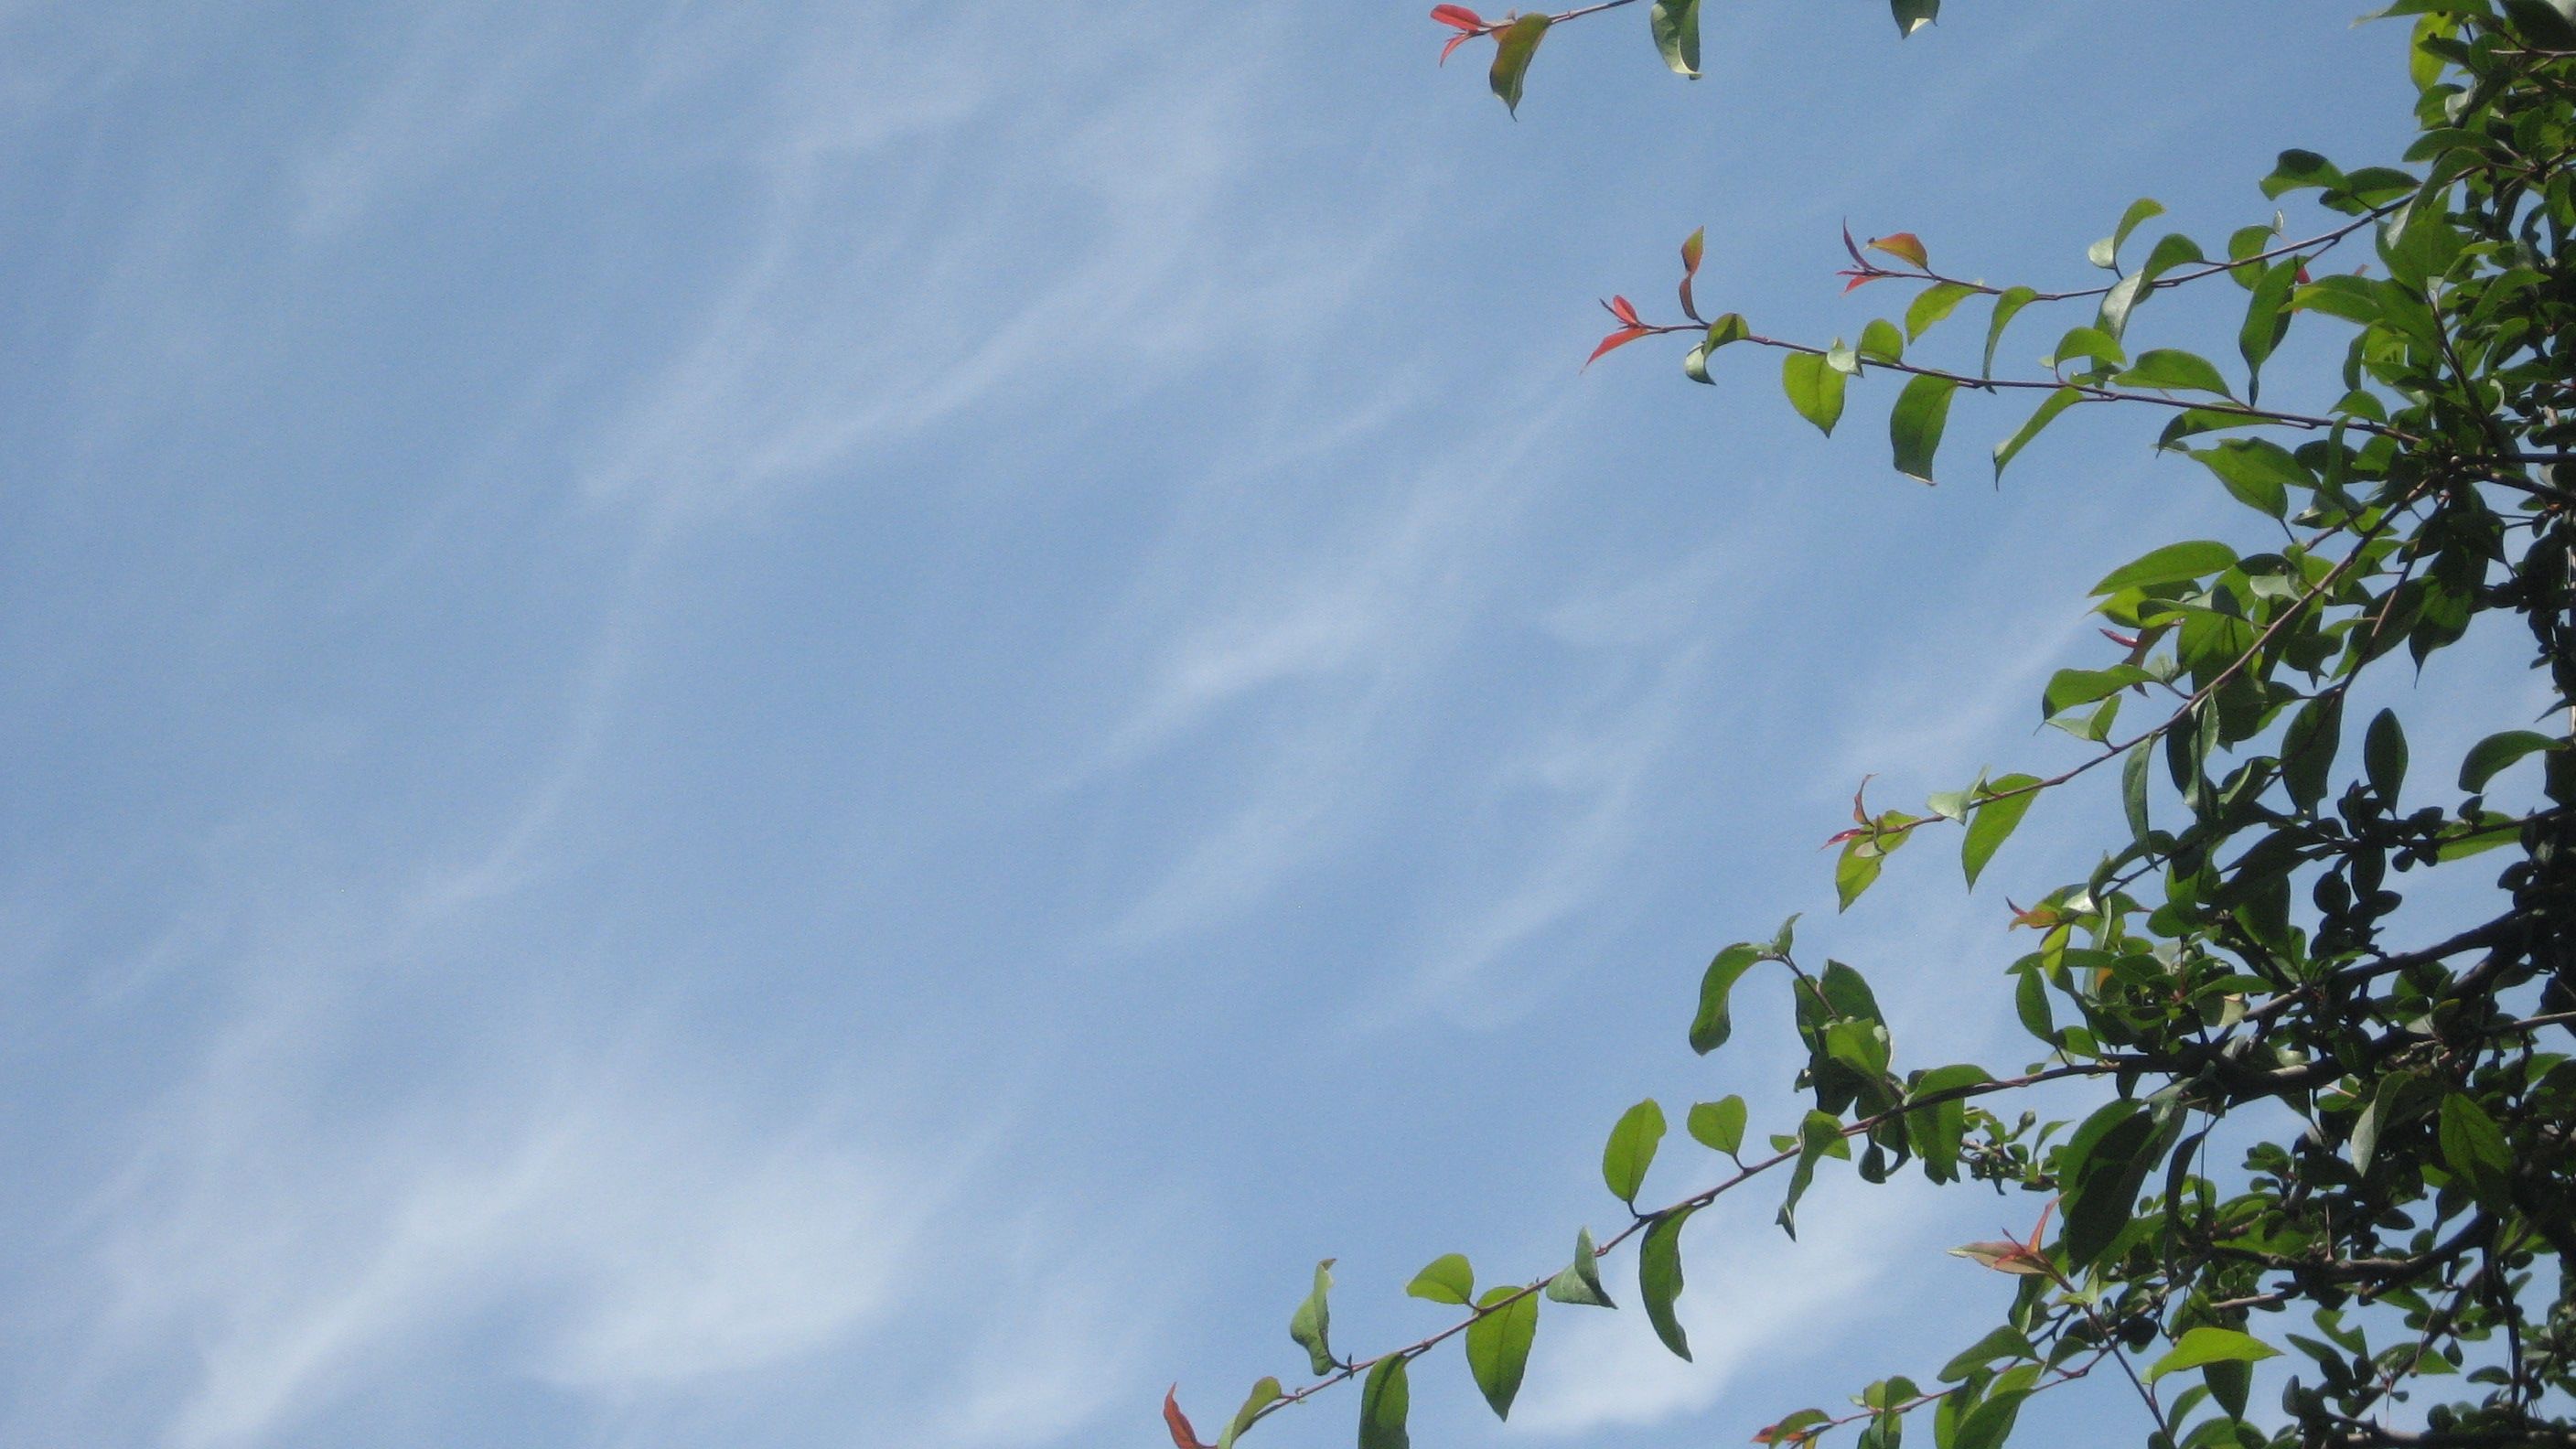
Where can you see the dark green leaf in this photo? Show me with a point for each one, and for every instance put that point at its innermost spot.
(1498, 1344)
(2383, 755)
(1659, 1279)
(1447, 1279)
(2308, 748)
(1631, 1150)
(1913, 15)
(1915, 425)
(2133, 788)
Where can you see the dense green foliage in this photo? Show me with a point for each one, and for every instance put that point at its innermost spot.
(2242, 964)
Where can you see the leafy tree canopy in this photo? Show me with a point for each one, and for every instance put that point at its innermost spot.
(2316, 1122)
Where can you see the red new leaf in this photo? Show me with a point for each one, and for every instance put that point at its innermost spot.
(1905, 246)
(1467, 22)
(1620, 308)
(1183, 1436)
(1620, 338)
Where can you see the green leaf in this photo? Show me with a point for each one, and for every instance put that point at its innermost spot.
(1922, 410)
(1312, 1324)
(1384, 1401)
(1631, 1150)
(1263, 1395)
(2008, 304)
(2071, 687)
(1659, 1279)
(1447, 1279)
(1936, 1131)
(1814, 389)
(1676, 27)
(1819, 1134)
(2205, 1345)
(2266, 319)
(2301, 169)
(2308, 748)
(2004, 1342)
(2056, 402)
(2489, 757)
(2257, 471)
(2106, 252)
(2175, 563)
(1881, 342)
(1913, 15)
(2472, 1143)
(2133, 787)
(1579, 1282)
(1991, 1421)
(1514, 47)
(2088, 342)
(2383, 755)
(2170, 370)
(1718, 1125)
(1855, 871)
(2114, 1171)
(1994, 822)
(1711, 1027)
(1498, 1344)
(1934, 303)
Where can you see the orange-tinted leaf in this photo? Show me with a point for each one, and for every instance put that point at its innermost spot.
(1857, 278)
(1621, 309)
(1904, 245)
(1183, 1436)
(1620, 338)
(1459, 16)
(1459, 39)
(2004, 1256)
(2038, 918)
(1860, 807)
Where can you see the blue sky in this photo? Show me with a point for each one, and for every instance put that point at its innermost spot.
(833, 723)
